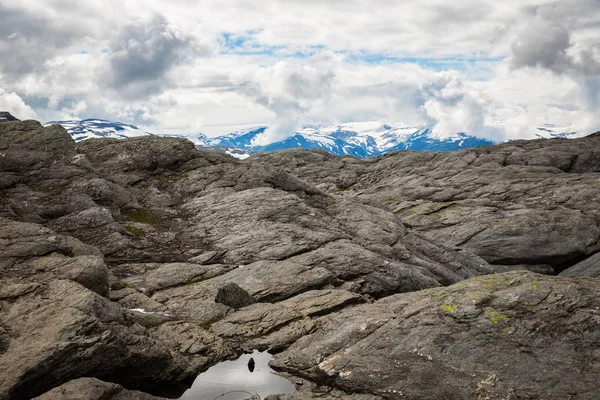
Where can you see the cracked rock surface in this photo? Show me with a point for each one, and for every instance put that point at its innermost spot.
(142, 262)
(523, 204)
(499, 336)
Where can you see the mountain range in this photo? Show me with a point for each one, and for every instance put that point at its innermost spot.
(359, 139)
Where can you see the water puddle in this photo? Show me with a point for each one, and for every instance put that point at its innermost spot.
(232, 380)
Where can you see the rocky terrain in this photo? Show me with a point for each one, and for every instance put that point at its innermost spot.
(127, 267)
(523, 204)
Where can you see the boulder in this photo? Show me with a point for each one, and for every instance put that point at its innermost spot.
(590, 267)
(234, 296)
(94, 389)
(511, 335)
(61, 331)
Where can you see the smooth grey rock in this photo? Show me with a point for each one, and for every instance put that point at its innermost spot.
(94, 389)
(65, 331)
(589, 267)
(515, 334)
(523, 202)
(311, 237)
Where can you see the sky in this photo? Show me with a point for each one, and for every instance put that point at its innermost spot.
(494, 69)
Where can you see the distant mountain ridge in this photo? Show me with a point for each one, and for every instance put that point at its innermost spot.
(358, 140)
(5, 116)
(99, 128)
(361, 139)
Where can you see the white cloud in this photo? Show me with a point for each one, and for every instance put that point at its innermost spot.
(494, 69)
(15, 105)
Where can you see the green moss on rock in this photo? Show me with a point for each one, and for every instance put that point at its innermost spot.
(134, 231)
(448, 307)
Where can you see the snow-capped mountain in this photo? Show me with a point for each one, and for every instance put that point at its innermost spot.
(98, 128)
(362, 139)
(550, 131)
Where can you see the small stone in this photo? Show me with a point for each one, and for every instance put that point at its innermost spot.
(234, 296)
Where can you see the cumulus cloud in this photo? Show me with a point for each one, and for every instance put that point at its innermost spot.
(29, 39)
(145, 51)
(453, 108)
(12, 103)
(494, 69)
(291, 91)
(547, 40)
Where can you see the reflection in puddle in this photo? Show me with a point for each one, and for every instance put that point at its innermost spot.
(233, 380)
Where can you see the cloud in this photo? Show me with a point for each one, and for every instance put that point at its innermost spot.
(28, 40)
(453, 108)
(486, 67)
(290, 90)
(144, 52)
(12, 103)
(547, 41)
(543, 44)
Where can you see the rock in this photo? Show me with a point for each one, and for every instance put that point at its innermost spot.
(32, 252)
(515, 334)
(205, 258)
(94, 389)
(589, 267)
(205, 313)
(203, 347)
(150, 318)
(276, 326)
(234, 296)
(523, 202)
(63, 331)
(323, 394)
(163, 276)
(112, 253)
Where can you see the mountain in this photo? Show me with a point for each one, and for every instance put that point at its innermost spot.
(551, 131)
(98, 128)
(362, 139)
(5, 116)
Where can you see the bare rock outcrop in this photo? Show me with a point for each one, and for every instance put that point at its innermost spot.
(142, 262)
(511, 335)
(94, 389)
(529, 204)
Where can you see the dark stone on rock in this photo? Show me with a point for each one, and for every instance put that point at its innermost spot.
(251, 364)
(234, 296)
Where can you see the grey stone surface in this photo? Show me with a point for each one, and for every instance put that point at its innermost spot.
(589, 267)
(519, 203)
(500, 336)
(94, 389)
(114, 251)
(234, 296)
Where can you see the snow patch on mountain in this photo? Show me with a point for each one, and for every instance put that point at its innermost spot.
(99, 128)
(550, 131)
